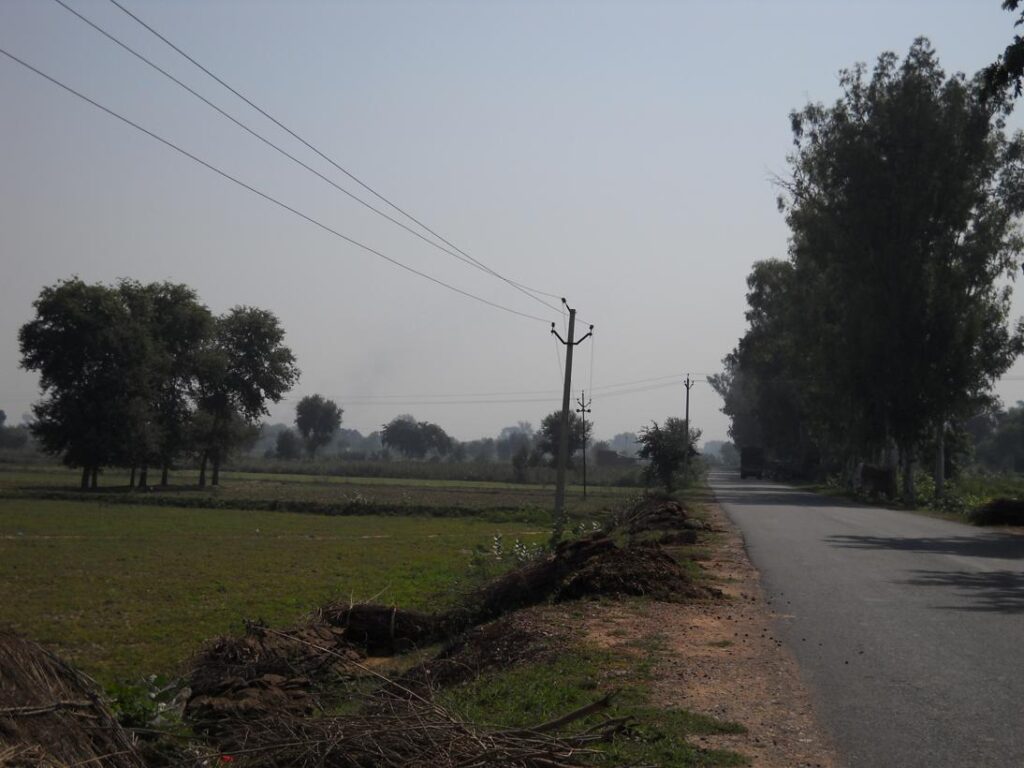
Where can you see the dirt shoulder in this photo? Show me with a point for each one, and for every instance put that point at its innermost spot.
(721, 659)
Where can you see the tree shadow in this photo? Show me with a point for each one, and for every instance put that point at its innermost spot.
(992, 591)
(997, 546)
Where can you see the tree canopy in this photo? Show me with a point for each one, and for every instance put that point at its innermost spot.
(317, 419)
(137, 375)
(891, 314)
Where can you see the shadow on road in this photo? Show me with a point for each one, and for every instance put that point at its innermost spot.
(991, 545)
(994, 591)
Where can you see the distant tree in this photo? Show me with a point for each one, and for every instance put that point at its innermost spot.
(668, 448)
(1002, 449)
(288, 445)
(551, 430)
(317, 419)
(415, 439)
(520, 462)
(12, 438)
(245, 367)
(625, 444)
(89, 357)
(511, 439)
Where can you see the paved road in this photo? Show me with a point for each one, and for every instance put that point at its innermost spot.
(909, 630)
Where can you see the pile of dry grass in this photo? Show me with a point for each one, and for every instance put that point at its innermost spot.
(411, 736)
(510, 640)
(52, 715)
(264, 671)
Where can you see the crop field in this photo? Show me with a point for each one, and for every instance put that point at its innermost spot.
(128, 584)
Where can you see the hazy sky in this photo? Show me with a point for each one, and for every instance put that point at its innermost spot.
(618, 154)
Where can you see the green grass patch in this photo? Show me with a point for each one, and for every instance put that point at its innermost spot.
(125, 591)
(536, 693)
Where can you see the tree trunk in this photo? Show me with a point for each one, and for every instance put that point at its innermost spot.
(163, 475)
(131, 478)
(202, 469)
(940, 460)
(908, 478)
(144, 476)
(85, 478)
(95, 473)
(216, 468)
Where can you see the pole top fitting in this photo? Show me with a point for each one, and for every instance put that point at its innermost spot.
(564, 301)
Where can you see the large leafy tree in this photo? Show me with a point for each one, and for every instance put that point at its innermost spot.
(90, 359)
(317, 419)
(902, 205)
(245, 367)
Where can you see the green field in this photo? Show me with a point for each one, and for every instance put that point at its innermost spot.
(125, 587)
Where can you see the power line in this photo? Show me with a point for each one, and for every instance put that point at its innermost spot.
(276, 147)
(518, 286)
(265, 195)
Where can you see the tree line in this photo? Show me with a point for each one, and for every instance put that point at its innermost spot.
(884, 329)
(144, 376)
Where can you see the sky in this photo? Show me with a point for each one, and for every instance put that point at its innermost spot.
(617, 154)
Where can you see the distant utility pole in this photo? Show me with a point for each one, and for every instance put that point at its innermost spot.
(688, 383)
(584, 409)
(563, 437)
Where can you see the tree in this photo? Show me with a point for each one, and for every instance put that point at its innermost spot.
(245, 367)
(415, 439)
(888, 319)
(12, 438)
(668, 448)
(317, 419)
(89, 358)
(551, 430)
(1007, 72)
(288, 446)
(511, 439)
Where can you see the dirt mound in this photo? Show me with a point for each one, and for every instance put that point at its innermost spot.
(651, 513)
(264, 671)
(52, 715)
(500, 644)
(642, 570)
(384, 630)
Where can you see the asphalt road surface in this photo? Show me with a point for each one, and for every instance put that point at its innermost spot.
(908, 630)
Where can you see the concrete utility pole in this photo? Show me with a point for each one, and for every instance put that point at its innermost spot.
(563, 437)
(584, 409)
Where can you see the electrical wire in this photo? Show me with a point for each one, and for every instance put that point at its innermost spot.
(265, 195)
(518, 286)
(274, 146)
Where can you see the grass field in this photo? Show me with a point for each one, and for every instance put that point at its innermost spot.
(130, 583)
(324, 494)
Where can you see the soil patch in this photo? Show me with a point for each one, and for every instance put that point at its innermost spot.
(721, 659)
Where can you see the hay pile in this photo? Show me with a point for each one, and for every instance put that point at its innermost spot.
(511, 640)
(264, 671)
(52, 715)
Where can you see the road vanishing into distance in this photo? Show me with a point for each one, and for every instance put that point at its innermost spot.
(908, 630)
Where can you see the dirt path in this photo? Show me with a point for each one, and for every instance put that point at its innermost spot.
(721, 659)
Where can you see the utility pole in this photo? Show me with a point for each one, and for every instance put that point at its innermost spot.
(688, 383)
(563, 437)
(584, 409)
